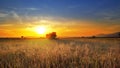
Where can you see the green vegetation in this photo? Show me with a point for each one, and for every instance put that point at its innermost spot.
(63, 53)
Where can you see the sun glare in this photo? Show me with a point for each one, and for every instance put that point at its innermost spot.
(40, 30)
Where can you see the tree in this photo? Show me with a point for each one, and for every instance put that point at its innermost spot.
(119, 34)
(51, 35)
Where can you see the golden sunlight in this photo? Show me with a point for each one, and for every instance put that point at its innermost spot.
(40, 29)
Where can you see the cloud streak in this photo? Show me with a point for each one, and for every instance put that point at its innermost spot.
(3, 15)
(16, 17)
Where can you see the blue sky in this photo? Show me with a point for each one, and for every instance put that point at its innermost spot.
(100, 12)
(76, 9)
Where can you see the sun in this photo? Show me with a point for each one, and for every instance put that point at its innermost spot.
(40, 29)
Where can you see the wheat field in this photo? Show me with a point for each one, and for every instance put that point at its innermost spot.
(61, 53)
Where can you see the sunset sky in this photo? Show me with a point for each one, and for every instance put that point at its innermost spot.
(69, 18)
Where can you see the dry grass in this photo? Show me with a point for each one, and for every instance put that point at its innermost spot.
(64, 53)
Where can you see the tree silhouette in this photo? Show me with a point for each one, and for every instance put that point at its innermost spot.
(51, 35)
(119, 34)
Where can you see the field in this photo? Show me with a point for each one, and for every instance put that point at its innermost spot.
(60, 53)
